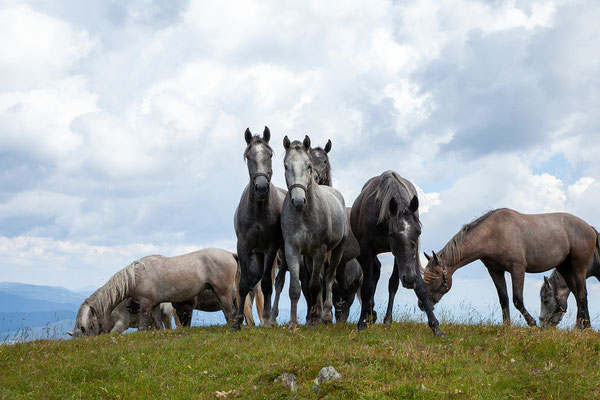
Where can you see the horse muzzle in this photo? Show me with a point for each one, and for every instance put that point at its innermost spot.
(261, 187)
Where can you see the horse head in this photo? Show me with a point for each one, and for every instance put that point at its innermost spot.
(553, 304)
(258, 155)
(87, 322)
(298, 171)
(404, 232)
(437, 278)
(320, 161)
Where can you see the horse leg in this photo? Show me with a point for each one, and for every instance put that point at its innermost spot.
(145, 313)
(500, 283)
(157, 317)
(367, 291)
(339, 294)
(260, 303)
(279, 282)
(226, 302)
(517, 276)
(331, 268)
(248, 308)
(421, 292)
(304, 284)
(392, 289)
(293, 259)
(576, 283)
(246, 284)
(314, 288)
(267, 282)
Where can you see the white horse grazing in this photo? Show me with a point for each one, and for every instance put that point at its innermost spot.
(156, 279)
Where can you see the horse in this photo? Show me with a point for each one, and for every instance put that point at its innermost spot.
(126, 315)
(506, 240)
(555, 291)
(314, 226)
(347, 282)
(385, 217)
(156, 279)
(257, 223)
(207, 301)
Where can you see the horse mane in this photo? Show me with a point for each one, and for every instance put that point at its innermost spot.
(451, 251)
(105, 299)
(389, 188)
(256, 139)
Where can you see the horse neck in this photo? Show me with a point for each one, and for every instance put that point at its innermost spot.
(465, 252)
(112, 293)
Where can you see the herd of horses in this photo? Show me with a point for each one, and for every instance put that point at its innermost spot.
(330, 252)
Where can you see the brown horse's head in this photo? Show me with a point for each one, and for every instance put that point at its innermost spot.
(258, 155)
(437, 278)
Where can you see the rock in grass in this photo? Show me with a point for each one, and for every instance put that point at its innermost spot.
(288, 380)
(326, 374)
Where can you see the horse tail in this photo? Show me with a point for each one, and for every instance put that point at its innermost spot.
(104, 300)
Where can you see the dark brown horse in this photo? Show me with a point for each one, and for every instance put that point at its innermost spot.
(506, 240)
(385, 217)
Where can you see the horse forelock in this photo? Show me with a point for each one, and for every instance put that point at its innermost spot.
(390, 186)
(256, 139)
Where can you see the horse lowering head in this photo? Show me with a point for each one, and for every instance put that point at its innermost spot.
(87, 323)
(258, 156)
(320, 161)
(404, 232)
(437, 278)
(298, 171)
(553, 304)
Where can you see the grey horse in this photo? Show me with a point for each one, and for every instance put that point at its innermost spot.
(555, 292)
(257, 223)
(315, 226)
(349, 276)
(156, 279)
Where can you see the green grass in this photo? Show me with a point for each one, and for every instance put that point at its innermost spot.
(403, 361)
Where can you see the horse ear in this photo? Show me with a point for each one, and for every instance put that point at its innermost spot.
(286, 143)
(328, 146)
(267, 134)
(248, 135)
(547, 282)
(427, 256)
(414, 204)
(435, 257)
(70, 334)
(306, 143)
(393, 206)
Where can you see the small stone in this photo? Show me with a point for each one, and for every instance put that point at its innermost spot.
(326, 374)
(288, 380)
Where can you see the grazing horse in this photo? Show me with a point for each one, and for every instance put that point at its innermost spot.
(152, 280)
(127, 315)
(314, 226)
(555, 292)
(506, 240)
(207, 301)
(385, 217)
(257, 223)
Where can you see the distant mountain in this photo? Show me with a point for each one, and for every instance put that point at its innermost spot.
(22, 297)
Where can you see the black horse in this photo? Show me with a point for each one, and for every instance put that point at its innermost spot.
(385, 217)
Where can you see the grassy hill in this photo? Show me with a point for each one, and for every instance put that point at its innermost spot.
(404, 361)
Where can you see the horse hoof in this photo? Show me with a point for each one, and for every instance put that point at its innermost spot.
(438, 333)
(362, 326)
(270, 323)
(387, 321)
(235, 328)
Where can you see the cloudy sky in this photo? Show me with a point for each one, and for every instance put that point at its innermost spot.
(121, 123)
